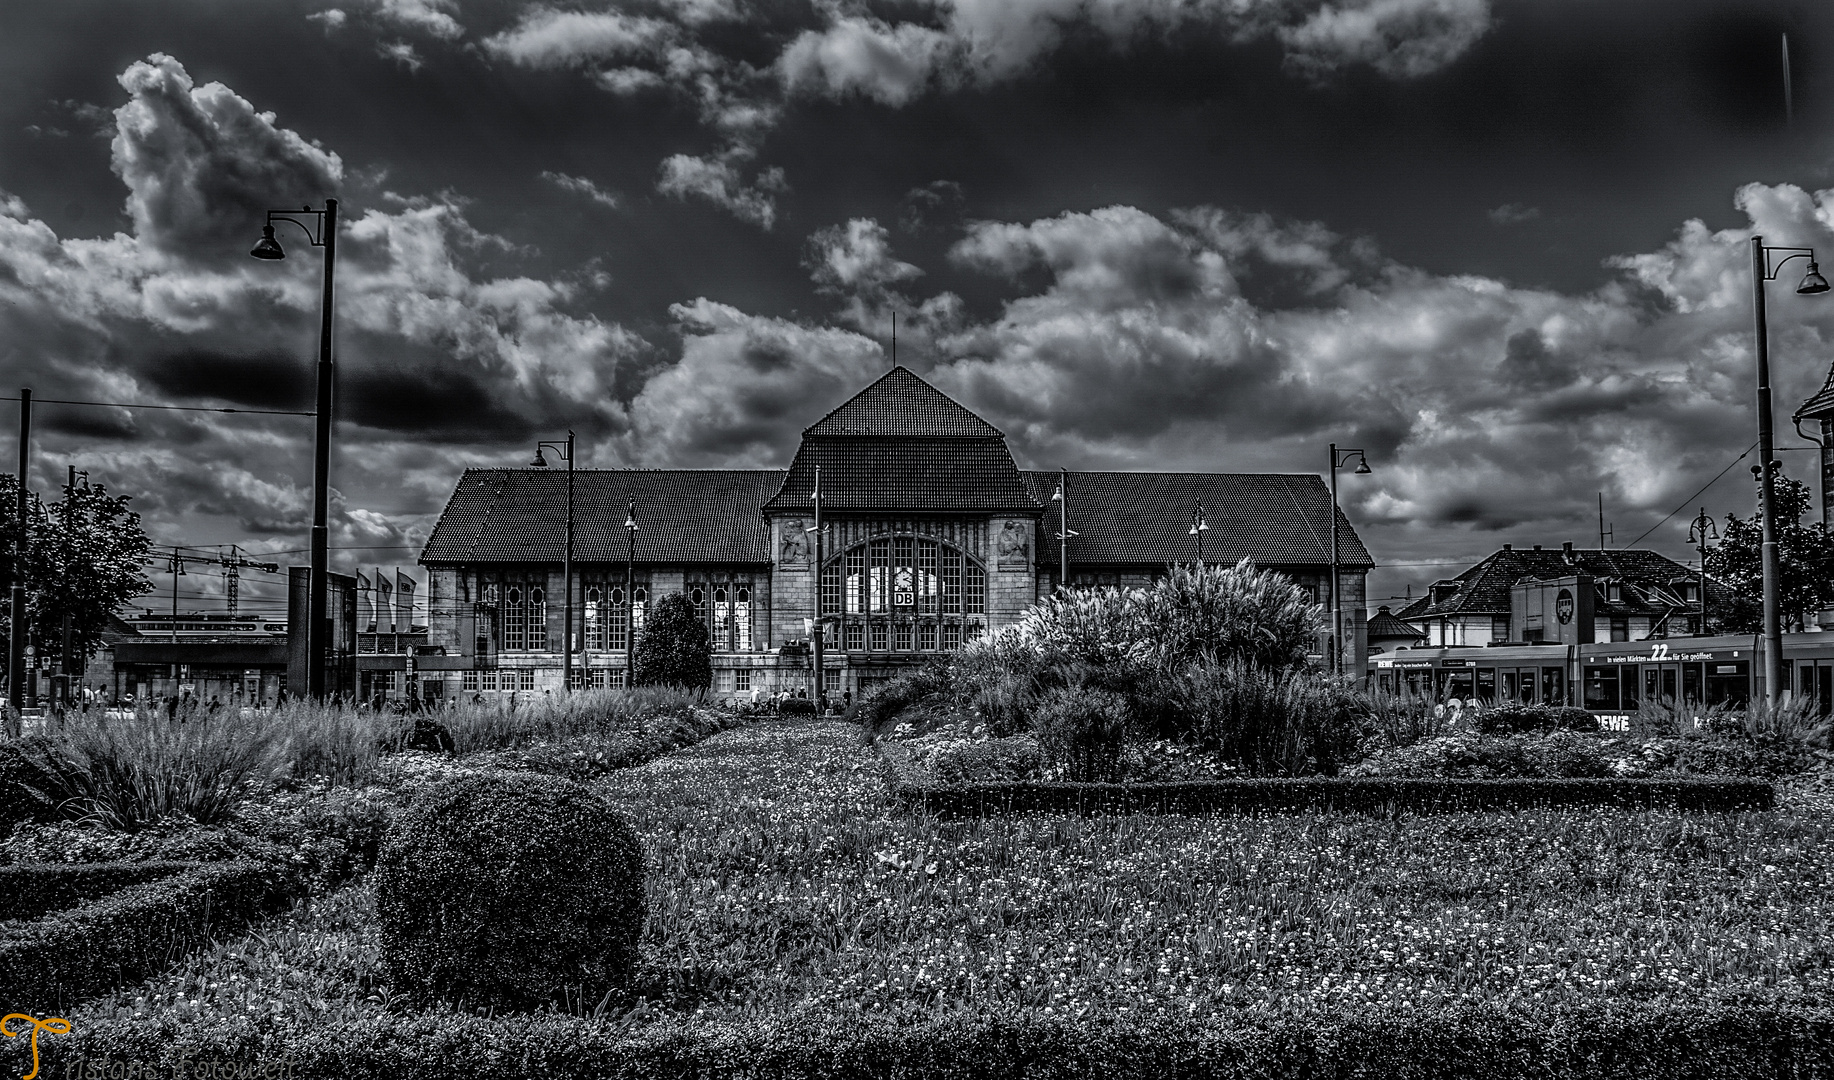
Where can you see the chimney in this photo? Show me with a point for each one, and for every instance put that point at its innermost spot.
(1567, 548)
(1508, 547)
(1537, 547)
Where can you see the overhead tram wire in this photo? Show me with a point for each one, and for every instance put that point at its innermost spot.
(1685, 503)
(145, 405)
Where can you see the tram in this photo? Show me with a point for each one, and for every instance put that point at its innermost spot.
(1610, 678)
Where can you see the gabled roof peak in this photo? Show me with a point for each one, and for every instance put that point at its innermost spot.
(900, 404)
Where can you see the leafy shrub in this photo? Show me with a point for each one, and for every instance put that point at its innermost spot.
(129, 772)
(1514, 718)
(430, 734)
(31, 890)
(509, 890)
(1290, 723)
(1228, 613)
(969, 761)
(510, 721)
(1402, 719)
(673, 648)
(1082, 729)
(927, 683)
(797, 706)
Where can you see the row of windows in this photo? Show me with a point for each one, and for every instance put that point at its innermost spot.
(609, 622)
(520, 679)
(905, 574)
(881, 635)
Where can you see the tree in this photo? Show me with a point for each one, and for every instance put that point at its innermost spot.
(1805, 554)
(83, 559)
(673, 648)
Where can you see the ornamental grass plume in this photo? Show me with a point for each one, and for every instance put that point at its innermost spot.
(1228, 613)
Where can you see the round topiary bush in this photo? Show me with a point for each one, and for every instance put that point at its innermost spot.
(509, 891)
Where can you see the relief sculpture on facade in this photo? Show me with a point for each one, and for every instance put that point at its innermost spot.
(1015, 546)
(795, 549)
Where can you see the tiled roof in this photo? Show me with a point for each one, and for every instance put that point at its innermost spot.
(1145, 518)
(900, 404)
(1385, 625)
(683, 516)
(900, 474)
(1821, 404)
(1484, 588)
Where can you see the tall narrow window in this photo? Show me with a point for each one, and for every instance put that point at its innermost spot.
(926, 636)
(856, 581)
(515, 620)
(538, 619)
(618, 635)
(901, 636)
(977, 590)
(595, 625)
(698, 594)
(878, 634)
(831, 588)
(926, 577)
(951, 635)
(951, 581)
(722, 620)
(639, 600)
(741, 620)
(854, 636)
(881, 576)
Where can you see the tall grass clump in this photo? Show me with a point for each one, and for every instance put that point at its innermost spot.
(510, 722)
(341, 744)
(127, 773)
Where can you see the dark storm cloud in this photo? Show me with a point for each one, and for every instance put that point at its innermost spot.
(431, 404)
(270, 381)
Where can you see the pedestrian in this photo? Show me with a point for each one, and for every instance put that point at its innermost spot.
(846, 700)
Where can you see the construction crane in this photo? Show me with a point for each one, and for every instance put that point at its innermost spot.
(233, 562)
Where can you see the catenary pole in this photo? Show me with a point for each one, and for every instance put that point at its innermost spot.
(15, 646)
(1773, 630)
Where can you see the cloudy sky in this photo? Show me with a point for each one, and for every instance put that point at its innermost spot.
(1498, 243)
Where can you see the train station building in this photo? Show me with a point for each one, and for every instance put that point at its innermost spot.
(931, 536)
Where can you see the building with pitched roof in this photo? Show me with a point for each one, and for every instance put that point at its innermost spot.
(1635, 595)
(931, 536)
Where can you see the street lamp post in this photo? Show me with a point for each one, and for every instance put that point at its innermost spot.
(1339, 459)
(1064, 532)
(1812, 283)
(1198, 528)
(630, 593)
(815, 629)
(565, 449)
(15, 646)
(321, 227)
(1700, 531)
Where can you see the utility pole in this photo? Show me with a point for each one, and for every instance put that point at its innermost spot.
(15, 646)
(815, 634)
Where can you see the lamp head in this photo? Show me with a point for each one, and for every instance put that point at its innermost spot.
(630, 516)
(269, 248)
(539, 462)
(1057, 496)
(1362, 466)
(1812, 282)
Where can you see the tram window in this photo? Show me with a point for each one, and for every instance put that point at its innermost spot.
(1455, 684)
(1690, 684)
(1825, 691)
(1386, 680)
(1601, 688)
(1486, 685)
(1669, 675)
(1553, 686)
(1728, 683)
(1509, 685)
(1627, 685)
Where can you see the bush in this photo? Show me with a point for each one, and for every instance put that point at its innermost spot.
(430, 734)
(1290, 723)
(673, 648)
(797, 706)
(1512, 718)
(927, 683)
(511, 721)
(1082, 730)
(31, 890)
(987, 760)
(509, 891)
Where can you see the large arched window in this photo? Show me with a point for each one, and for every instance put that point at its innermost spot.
(903, 594)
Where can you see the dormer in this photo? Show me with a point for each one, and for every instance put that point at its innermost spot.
(1443, 590)
(1614, 591)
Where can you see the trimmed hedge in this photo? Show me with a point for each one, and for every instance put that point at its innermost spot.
(54, 962)
(29, 890)
(1696, 1041)
(911, 784)
(509, 890)
(22, 776)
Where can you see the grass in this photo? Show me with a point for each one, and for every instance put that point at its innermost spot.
(509, 722)
(783, 878)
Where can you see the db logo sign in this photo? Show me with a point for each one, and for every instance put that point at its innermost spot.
(1563, 606)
